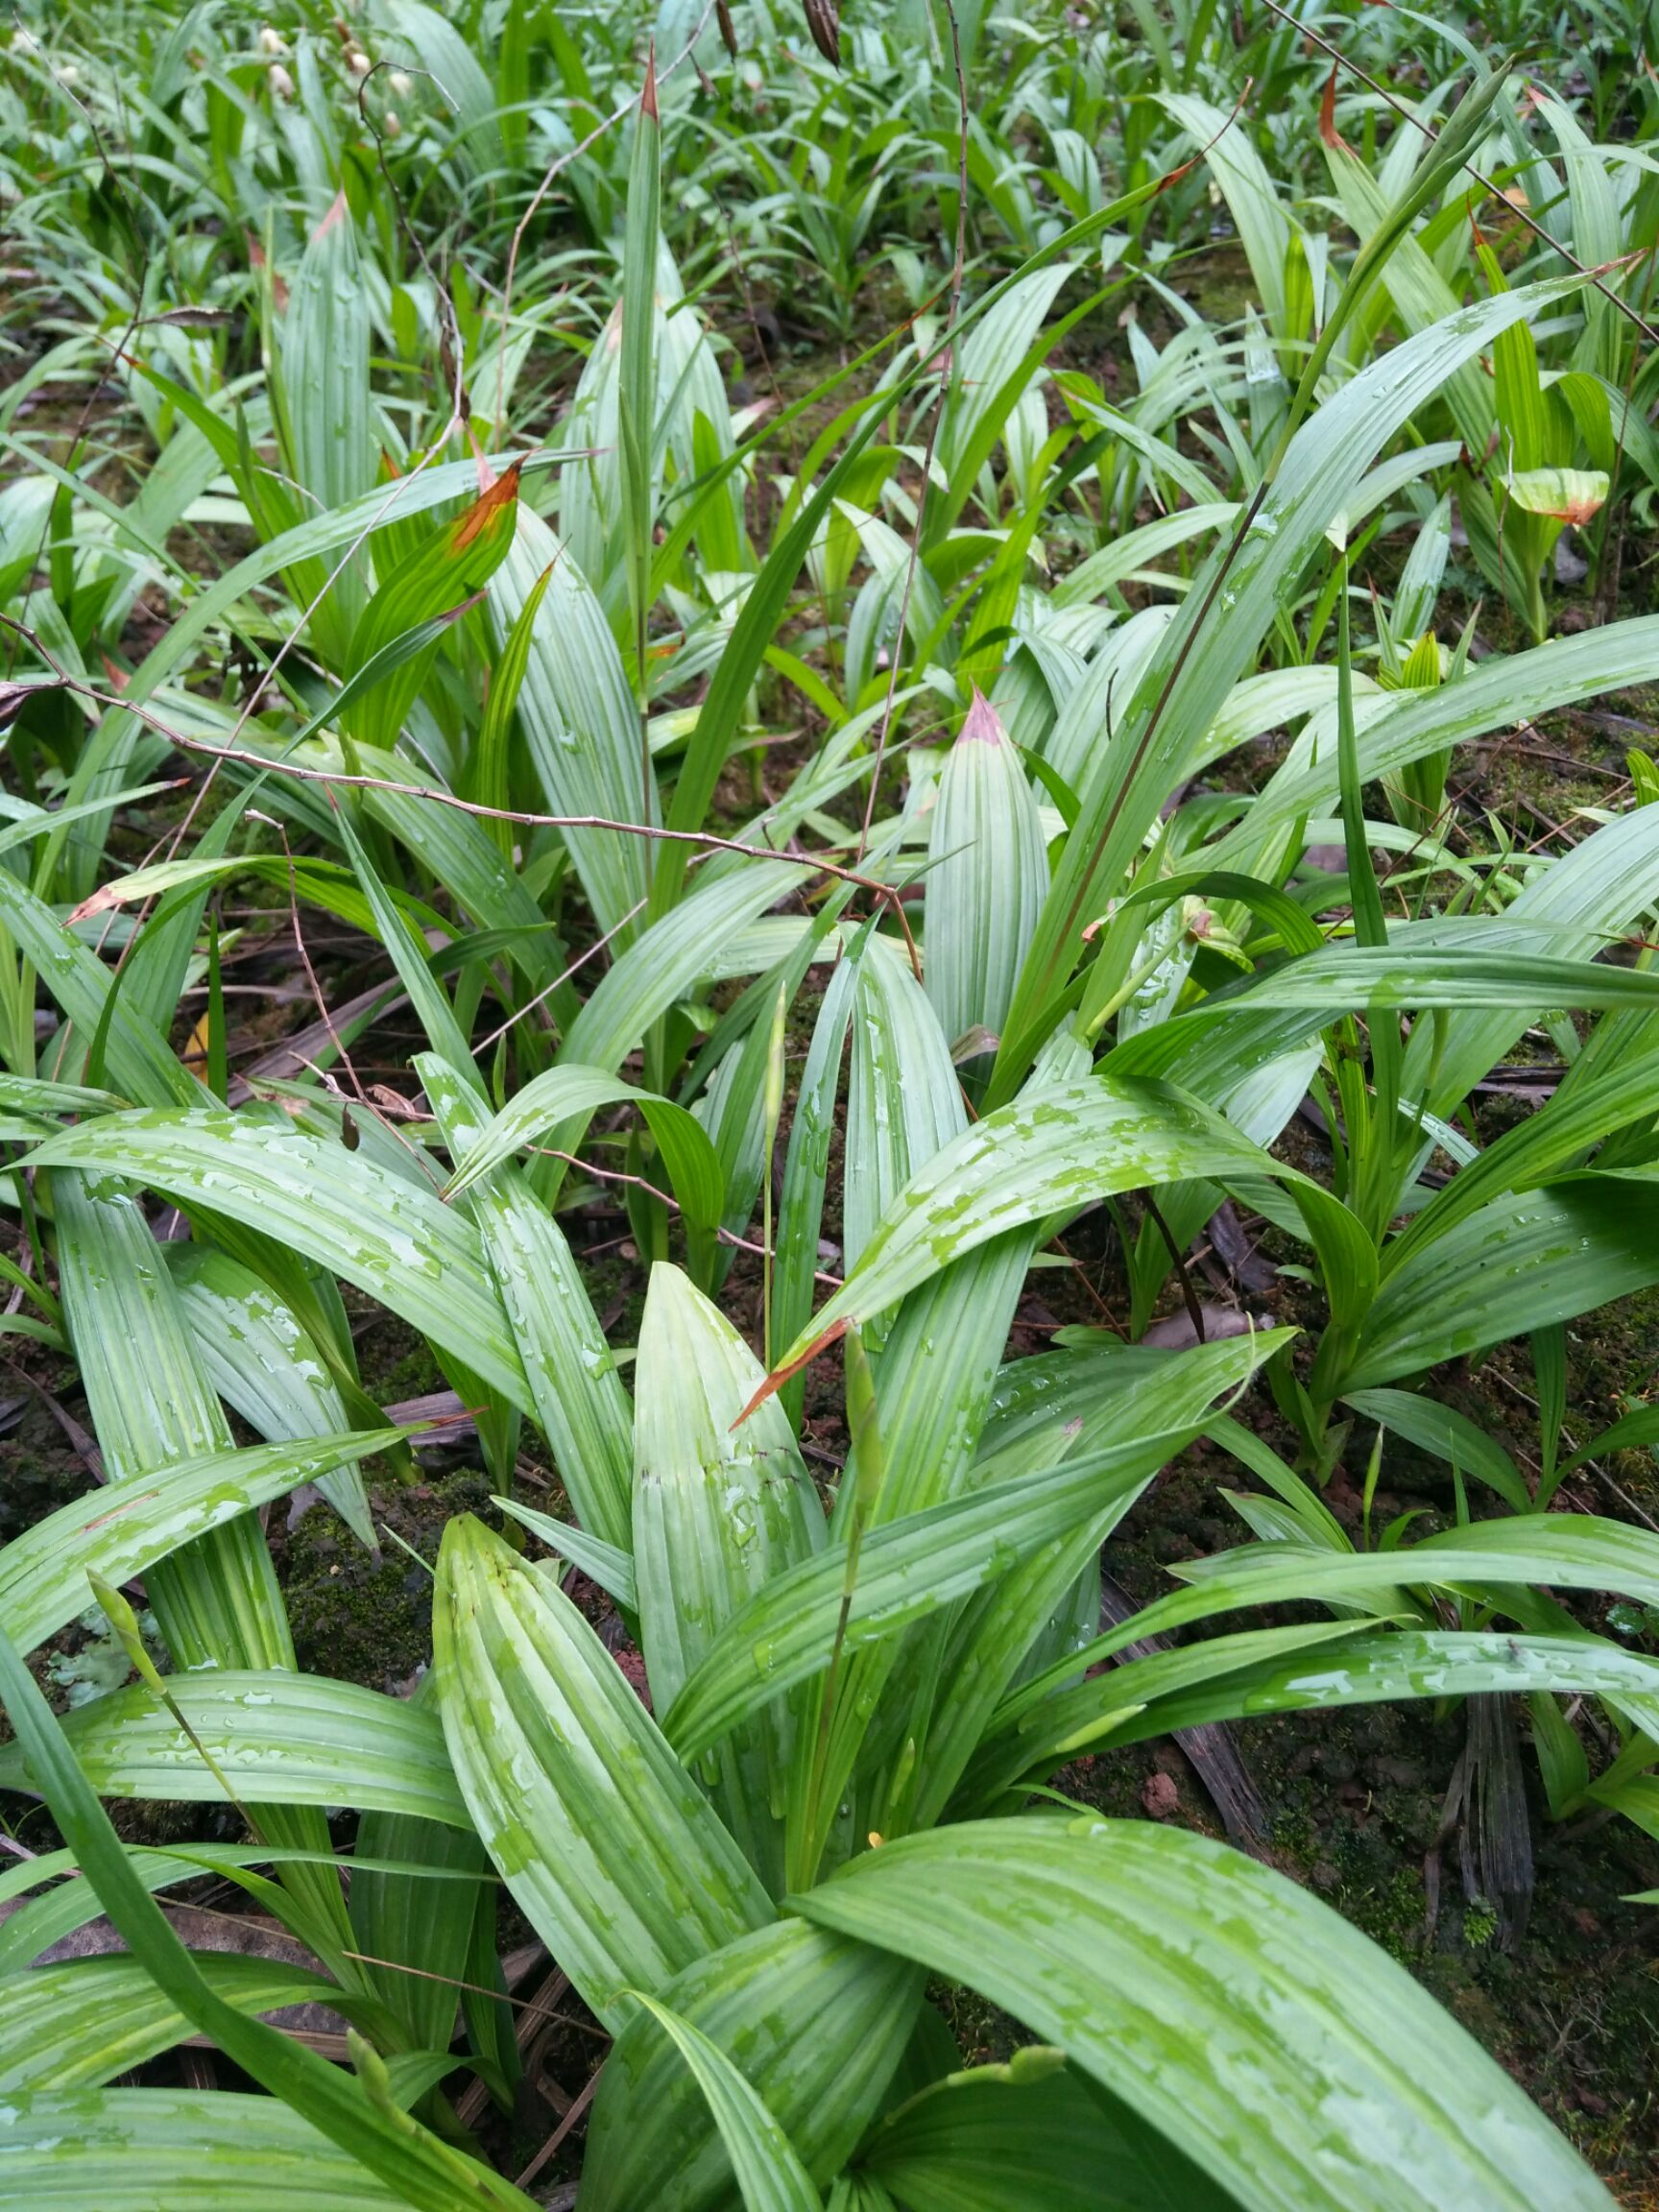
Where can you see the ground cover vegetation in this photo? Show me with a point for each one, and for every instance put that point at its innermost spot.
(800, 811)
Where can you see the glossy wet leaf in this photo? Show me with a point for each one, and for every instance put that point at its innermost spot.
(1244, 2019)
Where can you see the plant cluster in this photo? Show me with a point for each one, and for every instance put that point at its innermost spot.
(871, 826)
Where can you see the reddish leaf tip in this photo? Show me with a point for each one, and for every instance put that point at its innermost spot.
(779, 1376)
(981, 724)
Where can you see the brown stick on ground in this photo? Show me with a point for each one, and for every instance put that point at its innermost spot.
(1216, 1757)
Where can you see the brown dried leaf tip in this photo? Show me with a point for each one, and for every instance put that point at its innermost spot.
(1328, 129)
(824, 22)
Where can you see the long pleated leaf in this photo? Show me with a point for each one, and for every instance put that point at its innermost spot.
(769, 2173)
(301, 1737)
(989, 878)
(383, 1232)
(259, 1358)
(1577, 1551)
(79, 2025)
(1004, 2138)
(568, 1093)
(578, 1396)
(1230, 2008)
(1072, 1145)
(133, 2150)
(928, 1559)
(126, 1528)
(720, 1507)
(428, 2174)
(609, 1848)
(818, 2024)
(1517, 1264)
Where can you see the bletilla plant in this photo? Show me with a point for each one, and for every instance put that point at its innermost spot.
(504, 705)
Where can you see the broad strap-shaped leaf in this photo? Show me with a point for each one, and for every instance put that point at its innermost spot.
(1329, 1662)
(903, 1097)
(1033, 2132)
(428, 2174)
(256, 1354)
(326, 365)
(817, 2024)
(612, 1851)
(1014, 1626)
(1408, 1663)
(57, 1908)
(806, 1172)
(1573, 1551)
(987, 883)
(418, 1920)
(571, 1093)
(1517, 1264)
(580, 724)
(151, 1404)
(128, 1527)
(217, 1600)
(926, 1560)
(391, 1237)
(1400, 727)
(667, 960)
(769, 2174)
(580, 1405)
(441, 572)
(1447, 1433)
(219, 2151)
(79, 2024)
(302, 1737)
(1063, 1148)
(721, 1505)
(1291, 2061)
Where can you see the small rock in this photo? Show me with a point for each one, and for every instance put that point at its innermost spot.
(1160, 1797)
(1325, 1876)
(1398, 1773)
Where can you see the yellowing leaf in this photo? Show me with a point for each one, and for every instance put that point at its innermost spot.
(1567, 494)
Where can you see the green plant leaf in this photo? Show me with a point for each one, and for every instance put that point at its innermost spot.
(769, 2174)
(320, 1743)
(912, 1565)
(609, 1848)
(1231, 2009)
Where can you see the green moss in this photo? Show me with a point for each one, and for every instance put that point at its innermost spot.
(363, 1617)
(1479, 1924)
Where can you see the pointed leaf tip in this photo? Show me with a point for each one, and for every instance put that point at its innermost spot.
(1328, 129)
(648, 97)
(982, 725)
(779, 1376)
(823, 22)
(338, 212)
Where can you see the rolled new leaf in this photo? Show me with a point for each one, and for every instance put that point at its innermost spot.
(719, 1510)
(614, 1854)
(988, 879)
